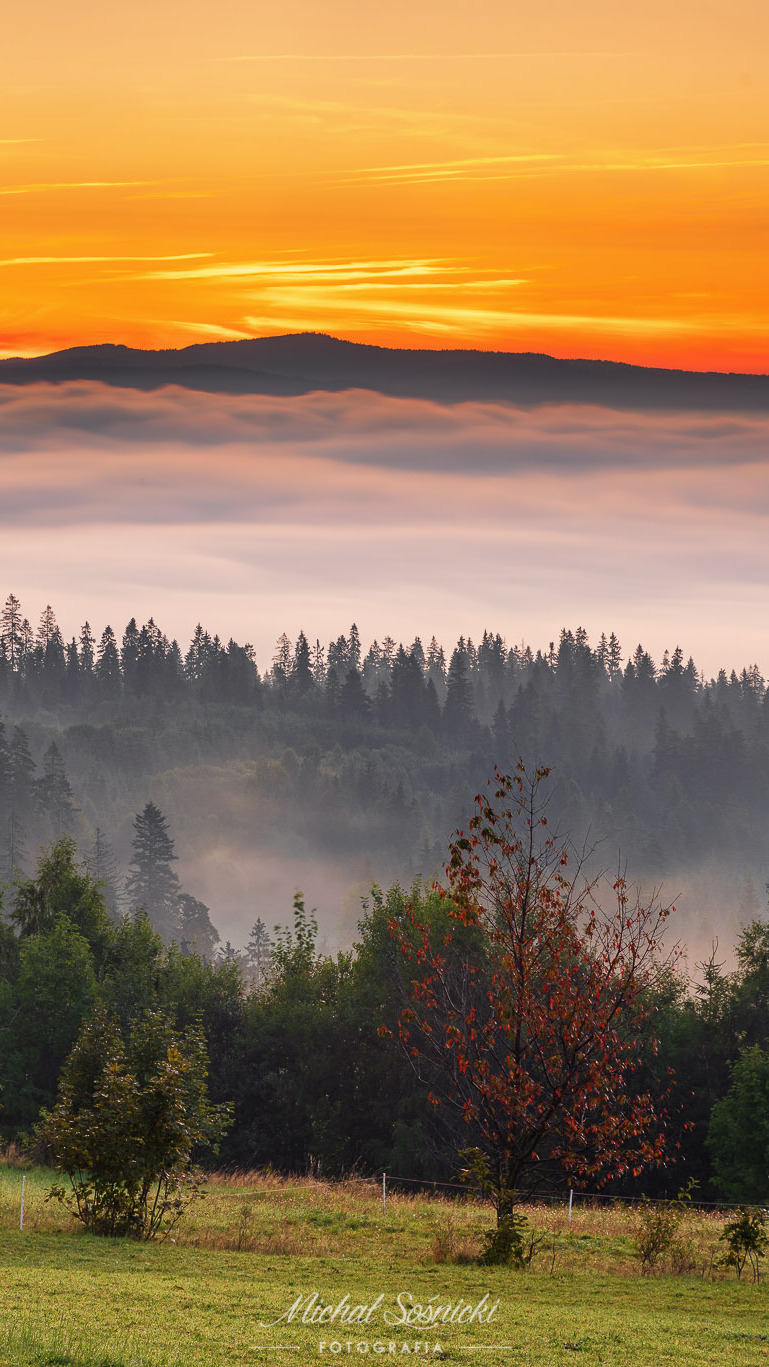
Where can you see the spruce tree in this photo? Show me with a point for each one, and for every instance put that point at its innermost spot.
(107, 670)
(21, 775)
(130, 653)
(258, 954)
(152, 885)
(301, 668)
(102, 868)
(11, 631)
(458, 708)
(53, 793)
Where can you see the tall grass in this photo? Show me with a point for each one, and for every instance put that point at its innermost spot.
(261, 1212)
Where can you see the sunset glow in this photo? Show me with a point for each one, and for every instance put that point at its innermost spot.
(586, 181)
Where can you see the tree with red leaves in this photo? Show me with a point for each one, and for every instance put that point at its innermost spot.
(526, 1015)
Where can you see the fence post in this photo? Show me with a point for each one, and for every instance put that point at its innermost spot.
(571, 1198)
(384, 1193)
(23, 1185)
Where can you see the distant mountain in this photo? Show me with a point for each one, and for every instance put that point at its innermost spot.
(302, 362)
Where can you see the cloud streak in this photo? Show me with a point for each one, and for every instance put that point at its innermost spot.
(77, 260)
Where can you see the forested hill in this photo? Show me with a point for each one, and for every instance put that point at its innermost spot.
(304, 362)
(332, 765)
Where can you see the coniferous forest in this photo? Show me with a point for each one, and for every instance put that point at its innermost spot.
(146, 786)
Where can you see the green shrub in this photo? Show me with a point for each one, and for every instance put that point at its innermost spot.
(128, 1116)
(658, 1226)
(746, 1240)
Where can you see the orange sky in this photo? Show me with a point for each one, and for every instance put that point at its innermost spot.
(580, 179)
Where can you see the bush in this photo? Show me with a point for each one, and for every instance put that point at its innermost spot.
(127, 1119)
(746, 1240)
(512, 1243)
(658, 1226)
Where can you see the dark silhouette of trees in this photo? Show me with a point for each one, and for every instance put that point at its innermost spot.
(196, 933)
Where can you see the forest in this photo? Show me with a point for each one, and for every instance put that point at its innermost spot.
(305, 1049)
(336, 750)
(334, 765)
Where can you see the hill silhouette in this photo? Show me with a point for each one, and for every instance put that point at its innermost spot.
(302, 362)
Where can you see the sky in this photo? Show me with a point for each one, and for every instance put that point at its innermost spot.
(585, 180)
(259, 514)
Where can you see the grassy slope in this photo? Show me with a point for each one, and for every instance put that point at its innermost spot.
(69, 1300)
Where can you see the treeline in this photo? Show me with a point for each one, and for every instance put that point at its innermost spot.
(305, 1045)
(391, 684)
(343, 751)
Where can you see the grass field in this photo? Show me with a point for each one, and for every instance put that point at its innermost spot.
(256, 1243)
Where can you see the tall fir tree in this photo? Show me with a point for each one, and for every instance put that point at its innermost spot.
(11, 631)
(458, 707)
(53, 794)
(153, 885)
(107, 669)
(103, 868)
(258, 955)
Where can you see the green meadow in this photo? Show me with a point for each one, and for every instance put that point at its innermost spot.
(256, 1243)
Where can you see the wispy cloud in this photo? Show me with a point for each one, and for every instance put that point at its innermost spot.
(329, 271)
(207, 329)
(528, 164)
(453, 318)
(75, 260)
(41, 187)
(461, 169)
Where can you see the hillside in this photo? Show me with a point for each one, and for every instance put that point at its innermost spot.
(304, 362)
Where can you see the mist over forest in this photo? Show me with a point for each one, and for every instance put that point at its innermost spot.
(337, 764)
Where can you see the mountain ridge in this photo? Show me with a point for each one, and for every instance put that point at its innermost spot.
(300, 363)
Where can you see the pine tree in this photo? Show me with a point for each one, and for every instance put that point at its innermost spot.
(318, 663)
(53, 794)
(151, 649)
(281, 660)
(436, 668)
(301, 668)
(102, 867)
(72, 672)
(5, 767)
(7, 819)
(87, 651)
(129, 653)
(458, 708)
(107, 667)
(388, 654)
(337, 660)
(21, 775)
(258, 954)
(13, 850)
(11, 632)
(173, 671)
(370, 670)
(198, 655)
(152, 885)
(353, 648)
(417, 652)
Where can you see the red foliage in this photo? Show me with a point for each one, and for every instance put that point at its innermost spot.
(528, 1017)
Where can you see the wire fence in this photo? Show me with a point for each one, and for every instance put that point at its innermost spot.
(385, 1182)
